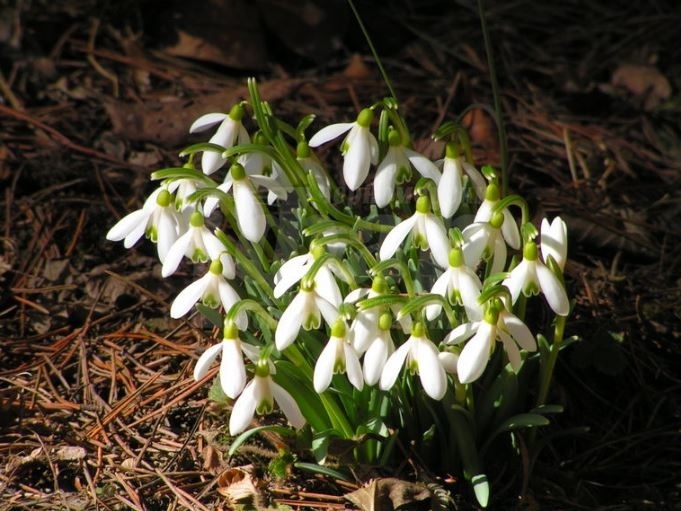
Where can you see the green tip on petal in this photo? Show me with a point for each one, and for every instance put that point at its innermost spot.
(423, 204)
(238, 172)
(303, 150)
(307, 285)
(385, 321)
(237, 112)
(196, 219)
(418, 330)
(163, 199)
(230, 331)
(338, 329)
(262, 368)
(365, 118)
(216, 267)
(451, 150)
(394, 138)
(530, 251)
(497, 220)
(456, 257)
(492, 193)
(492, 314)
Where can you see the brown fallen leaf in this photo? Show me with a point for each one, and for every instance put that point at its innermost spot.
(237, 485)
(390, 493)
(167, 123)
(645, 82)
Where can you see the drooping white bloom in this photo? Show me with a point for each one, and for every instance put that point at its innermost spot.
(213, 290)
(484, 240)
(265, 172)
(293, 270)
(230, 132)
(158, 219)
(305, 310)
(450, 187)
(420, 356)
(183, 189)
(428, 232)
(232, 368)
(249, 211)
(381, 346)
(338, 356)
(198, 244)
(360, 148)
(395, 168)
(499, 324)
(259, 396)
(554, 241)
(531, 275)
(509, 227)
(460, 285)
(310, 163)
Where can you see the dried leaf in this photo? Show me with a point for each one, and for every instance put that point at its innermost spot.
(237, 485)
(389, 494)
(645, 82)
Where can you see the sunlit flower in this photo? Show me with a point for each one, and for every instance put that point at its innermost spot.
(531, 276)
(451, 184)
(554, 241)
(484, 240)
(232, 368)
(338, 356)
(395, 168)
(497, 324)
(293, 270)
(360, 148)
(509, 227)
(309, 163)
(197, 244)
(230, 132)
(428, 232)
(265, 172)
(183, 189)
(213, 290)
(381, 346)
(305, 310)
(259, 396)
(158, 219)
(460, 285)
(420, 356)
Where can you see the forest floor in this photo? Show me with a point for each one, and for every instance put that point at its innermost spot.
(98, 407)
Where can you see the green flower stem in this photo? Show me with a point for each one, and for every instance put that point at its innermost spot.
(353, 242)
(547, 371)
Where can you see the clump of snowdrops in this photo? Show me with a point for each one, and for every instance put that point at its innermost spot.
(396, 320)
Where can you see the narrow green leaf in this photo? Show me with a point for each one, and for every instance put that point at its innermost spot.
(243, 437)
(211, 315)
(320, 469)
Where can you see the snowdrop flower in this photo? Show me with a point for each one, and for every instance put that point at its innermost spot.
(310, 163)
(509, 227)
(263, 171)
(381, 346)
(395, 168)
(449, 361)
(259, 396)
(198, 244)
(531, 275)
(232, 368)
(420, 356)
(183, 188)
(213, 290)
(499, 324)
(360, 148)
(450, 186)
(460, 285)
(293, 270)
(484, 240)
(158, 219)
(249, 212)
(338, 356)
(230, 132)
(428, 231)
(554, 241)
(305, 310)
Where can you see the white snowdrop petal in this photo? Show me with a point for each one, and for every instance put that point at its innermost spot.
(554, 240)
(374, 361)
(167, 234)
(394, 364)
(440, 287)
(477, 180)
(449, 190)
(188, 297)
(469, 288)
(500, 251)
(290, 272)
(126, 225)
(553, 290)
(461, 333)
(175, 254)
(384, 183)
(214, 246)
(353, 368)
(206, 121)
(437, 240)
(475, 239)
(511, 349)
(475, 355)
(364, 329)
(448, 361)
(356, 294)
(232, 369)
(423, 165)
(330, 132)
(249, 213)
(357, 161)
(288, 405)
(517, 279)
(432, 375)
(291, 321)
(323, 369)
(509, 229)
(329, 312)
(243, 410)
(205, 361)
(518, 331)
(327, 287)
(395, 237)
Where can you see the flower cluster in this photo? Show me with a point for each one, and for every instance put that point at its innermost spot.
(305, 298)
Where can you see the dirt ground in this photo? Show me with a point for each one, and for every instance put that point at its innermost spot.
(98, 409)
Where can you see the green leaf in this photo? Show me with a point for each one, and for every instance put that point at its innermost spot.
(547, 409)
(243, 437)
(211, 315)
(203, 146)
(320, 469)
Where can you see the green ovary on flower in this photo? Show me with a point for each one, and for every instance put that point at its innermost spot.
(216, 267)
(164, 198)
(238, 172)
(423, 204)
(456, 259)
(196, 219)
(365, 118)
(237, 112)
(530, 251)
(492, 193)
(385, 321)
